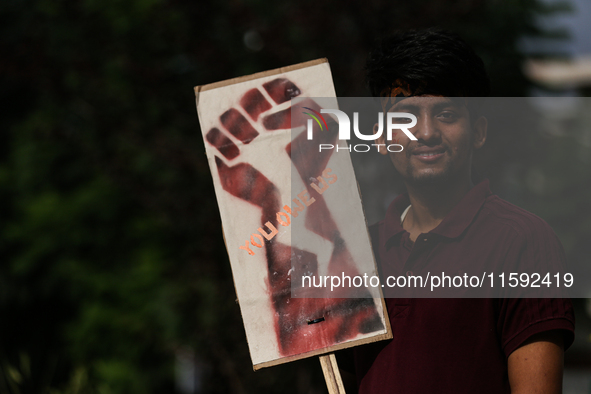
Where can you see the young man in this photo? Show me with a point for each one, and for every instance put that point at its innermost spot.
(454, 345)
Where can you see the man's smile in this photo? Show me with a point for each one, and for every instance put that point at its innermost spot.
(428, 154)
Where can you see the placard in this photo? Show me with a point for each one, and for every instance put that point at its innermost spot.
(282, 208)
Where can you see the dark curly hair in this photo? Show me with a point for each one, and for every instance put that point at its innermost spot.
(428, 61)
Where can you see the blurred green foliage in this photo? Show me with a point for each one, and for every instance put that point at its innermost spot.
(111, 255)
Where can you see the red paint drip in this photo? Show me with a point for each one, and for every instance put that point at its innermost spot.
(254, 103)
(238, 126)
(223, 144)
(281, 90)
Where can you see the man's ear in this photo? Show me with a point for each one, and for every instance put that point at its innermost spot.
(480, 130)
(381, 140)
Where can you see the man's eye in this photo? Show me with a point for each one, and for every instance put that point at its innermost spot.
(447, 116)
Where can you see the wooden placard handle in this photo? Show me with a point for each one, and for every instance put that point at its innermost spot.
(332, 375)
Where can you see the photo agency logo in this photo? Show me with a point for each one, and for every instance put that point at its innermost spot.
(402, 121)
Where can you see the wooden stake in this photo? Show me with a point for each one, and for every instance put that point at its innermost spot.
(332, 375)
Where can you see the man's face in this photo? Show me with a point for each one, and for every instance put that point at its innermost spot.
(445, 140)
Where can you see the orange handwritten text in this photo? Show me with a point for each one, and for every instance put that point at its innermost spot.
(303, 200)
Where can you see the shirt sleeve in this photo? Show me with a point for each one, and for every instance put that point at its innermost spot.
(519, 319)
(535, 249)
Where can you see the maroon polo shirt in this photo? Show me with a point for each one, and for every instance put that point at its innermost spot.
(460, 345)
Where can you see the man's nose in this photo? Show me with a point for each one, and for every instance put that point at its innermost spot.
(426, 130)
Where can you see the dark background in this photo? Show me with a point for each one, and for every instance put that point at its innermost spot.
(113, 272)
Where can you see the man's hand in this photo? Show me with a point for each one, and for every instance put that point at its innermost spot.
(536, 367)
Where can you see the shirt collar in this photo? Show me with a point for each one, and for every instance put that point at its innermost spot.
(453, 225)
